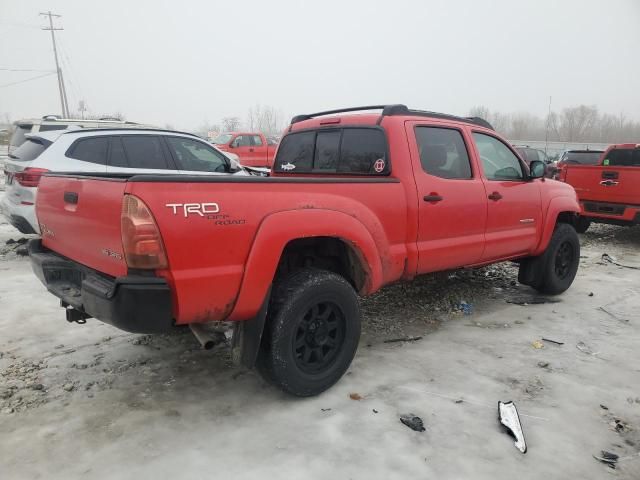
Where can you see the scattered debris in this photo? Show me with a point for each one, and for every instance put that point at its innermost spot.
(584, 348)
(325, 409)
(537, 344)
(613, 315)
(608, 258)
(604, 407)
(465, 308)
(22, 251)
(525, 300)
(543, 364)
(413, 422)
(67, 387)
(608, 458)
(459, 400)
(403, 339)
(591, 294)
(374, 410)
(519, 322)
(552, 341)
(508, 416)
(355, 396)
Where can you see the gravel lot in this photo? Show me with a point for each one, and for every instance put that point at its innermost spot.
(92, 401)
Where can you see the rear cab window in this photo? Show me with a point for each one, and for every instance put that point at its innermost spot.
(29, 150)
(347, 150)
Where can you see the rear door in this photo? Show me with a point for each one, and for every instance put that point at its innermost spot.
(80, 219)
(451, 198)
(139, 154)
(514, 213)
(243, 147)
(260, 150)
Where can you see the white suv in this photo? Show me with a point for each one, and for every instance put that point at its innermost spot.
(103, 150)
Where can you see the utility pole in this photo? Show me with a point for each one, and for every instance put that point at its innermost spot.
(62, 90)
(546, 135)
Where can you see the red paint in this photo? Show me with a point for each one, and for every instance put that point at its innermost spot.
(221, 266)
(613, 185)
(250, 155)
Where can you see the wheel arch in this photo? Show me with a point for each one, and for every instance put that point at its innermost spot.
(560, 210)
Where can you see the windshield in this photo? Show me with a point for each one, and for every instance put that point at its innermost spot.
(18, 136)
(222, 139)
(29, 150)
(583, 158)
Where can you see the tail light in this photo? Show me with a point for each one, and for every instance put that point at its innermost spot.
(141, 239)
(30, 177)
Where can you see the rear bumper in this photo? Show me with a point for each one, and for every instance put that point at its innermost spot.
(611, 213)
(134, 303)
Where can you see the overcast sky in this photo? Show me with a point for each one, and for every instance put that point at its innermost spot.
(188, 62)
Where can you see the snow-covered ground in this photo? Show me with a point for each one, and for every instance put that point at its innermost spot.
(95, 402)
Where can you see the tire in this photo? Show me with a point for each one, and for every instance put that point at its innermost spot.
(560, 261)
(582, 224)
(312, 332)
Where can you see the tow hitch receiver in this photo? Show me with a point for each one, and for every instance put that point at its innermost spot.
(76, 316)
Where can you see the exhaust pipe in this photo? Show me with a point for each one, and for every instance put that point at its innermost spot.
(206, 339)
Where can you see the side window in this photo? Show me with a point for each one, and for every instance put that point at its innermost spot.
(93, 149)
(443, 153)
(327, 151)
(256, 140)
(242, 141)
(117, 157)
(363, 151)
(144, 152)
(498, 161)
(196, 156)
(49, 128)
(295, 154)
(542, 156)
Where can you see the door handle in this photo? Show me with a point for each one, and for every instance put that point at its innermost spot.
(434, 197)
(251, 149)
(608, 183)
(71, 197)
(495, 196)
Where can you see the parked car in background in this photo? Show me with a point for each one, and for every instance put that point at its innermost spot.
(50, 123)
(253, 149)
(529, 154)
(576, 157)
(104, 151)
(609, 190)
(355, 202)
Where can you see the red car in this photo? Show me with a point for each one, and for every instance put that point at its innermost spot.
(609, 191)
(355, 202)
(254, 149)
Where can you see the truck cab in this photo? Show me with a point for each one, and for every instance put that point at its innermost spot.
(253, 149)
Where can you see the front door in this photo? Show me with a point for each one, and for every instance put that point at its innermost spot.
(514, 210)
(451, 196)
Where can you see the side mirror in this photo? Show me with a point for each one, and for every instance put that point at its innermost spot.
(537, 169)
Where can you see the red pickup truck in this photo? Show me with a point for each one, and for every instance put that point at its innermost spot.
(609, 192)
(355, 202)
(254, 149)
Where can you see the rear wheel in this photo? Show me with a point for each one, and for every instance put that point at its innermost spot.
(557, 267)
(312, 332)
(582, 224)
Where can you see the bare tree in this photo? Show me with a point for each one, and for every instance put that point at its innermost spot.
(265, 119)
(230, 124)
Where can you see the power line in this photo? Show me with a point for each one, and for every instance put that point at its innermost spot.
(63, 93)
(27, 79)
(25, 70)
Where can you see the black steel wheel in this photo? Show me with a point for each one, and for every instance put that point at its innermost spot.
(558, 265)
(312, 332)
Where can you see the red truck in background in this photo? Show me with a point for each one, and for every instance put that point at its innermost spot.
(609, 192)
(254, 149)
(355, 202)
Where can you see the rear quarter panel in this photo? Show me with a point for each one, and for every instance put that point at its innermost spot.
(208, 254)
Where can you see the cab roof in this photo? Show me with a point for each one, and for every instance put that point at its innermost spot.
(335, 116)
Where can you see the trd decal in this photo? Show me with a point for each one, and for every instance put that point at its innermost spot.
(186, 209)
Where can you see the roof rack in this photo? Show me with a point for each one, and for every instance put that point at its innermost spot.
(125, 129)
(394, 109)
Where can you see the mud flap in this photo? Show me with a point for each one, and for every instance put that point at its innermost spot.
(531, 270)
(508, 415)
(247, 336)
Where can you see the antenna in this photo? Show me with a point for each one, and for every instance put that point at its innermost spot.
(61, 88)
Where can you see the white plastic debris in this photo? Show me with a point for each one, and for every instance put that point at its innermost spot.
(509, 418)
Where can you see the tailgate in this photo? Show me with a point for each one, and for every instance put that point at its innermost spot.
(79, 218)
(606, 184)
